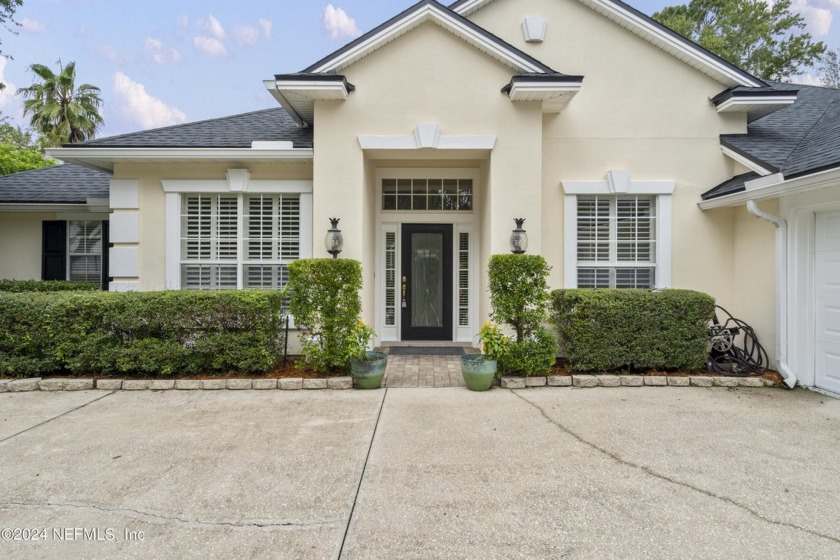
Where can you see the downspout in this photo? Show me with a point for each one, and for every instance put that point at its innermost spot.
(781, 290)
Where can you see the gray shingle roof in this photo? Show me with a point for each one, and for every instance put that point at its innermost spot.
(236, 131)
(59, 184)
(800, 139)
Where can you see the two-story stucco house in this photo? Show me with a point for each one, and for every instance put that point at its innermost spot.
(637, 158)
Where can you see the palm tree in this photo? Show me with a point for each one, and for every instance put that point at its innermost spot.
(59, 110)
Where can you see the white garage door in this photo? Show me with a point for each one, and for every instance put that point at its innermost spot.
(827, 301)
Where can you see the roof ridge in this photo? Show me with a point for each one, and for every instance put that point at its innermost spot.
(808, 134)
(169, 127)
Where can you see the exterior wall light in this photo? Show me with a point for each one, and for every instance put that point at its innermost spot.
(519, 238)
(334, 241)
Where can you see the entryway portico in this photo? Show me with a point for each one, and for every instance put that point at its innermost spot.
(427, 252)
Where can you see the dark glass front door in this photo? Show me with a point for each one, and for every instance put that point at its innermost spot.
(426, 282)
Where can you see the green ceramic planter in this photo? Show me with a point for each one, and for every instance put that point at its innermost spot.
(368, 374)
(478, 371)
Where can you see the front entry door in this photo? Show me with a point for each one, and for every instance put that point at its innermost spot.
(426, 282)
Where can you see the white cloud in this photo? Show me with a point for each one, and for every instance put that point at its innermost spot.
(339, 25)
(160, 52)
(7, 95)
(28, 25)
(808, 80)
(246, 34)
(108, 52)
(137, 105)
(212, 25)
(817, 14)
(266, 25)
(210, 46)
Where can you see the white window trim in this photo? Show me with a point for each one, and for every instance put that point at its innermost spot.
(619, 183)
(239, 183)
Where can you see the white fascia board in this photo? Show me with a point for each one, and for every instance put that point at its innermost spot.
(36, 207)
(763, 191)
(176, 154)
(652, 33)
(745, 104)
(271, 86)
(426, 13)
(748, 163)
(541, 91)
(315, 90)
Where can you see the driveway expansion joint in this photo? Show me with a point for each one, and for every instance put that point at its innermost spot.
(173, 518)
(7, 438)
(647, 470)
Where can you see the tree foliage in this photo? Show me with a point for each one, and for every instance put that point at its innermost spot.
(20, 150)
(829, 69)
(764, 38)
(58, 109)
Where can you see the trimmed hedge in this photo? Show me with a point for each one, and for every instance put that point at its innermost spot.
(633, 329)
(144, 333)
(18, 286)
(324, 300)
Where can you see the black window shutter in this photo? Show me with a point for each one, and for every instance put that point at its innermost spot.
(105, 252)
(54, 254)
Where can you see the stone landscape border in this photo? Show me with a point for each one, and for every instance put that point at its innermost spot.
(587, 381)
(346, 382)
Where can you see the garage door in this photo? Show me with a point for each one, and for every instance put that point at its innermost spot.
(827, 294)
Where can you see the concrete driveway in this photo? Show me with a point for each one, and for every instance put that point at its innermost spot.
(421, 473)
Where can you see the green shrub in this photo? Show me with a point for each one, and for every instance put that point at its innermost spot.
(633, 329)
(519, 298)
(533, 356)
(17, 286)
(324, 300)
(519, 292)
(146, 333)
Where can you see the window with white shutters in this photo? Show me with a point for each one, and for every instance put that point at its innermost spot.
(238, 241)
(84, 239)
(616, 241)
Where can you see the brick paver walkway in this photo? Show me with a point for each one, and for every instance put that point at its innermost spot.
(424, 371)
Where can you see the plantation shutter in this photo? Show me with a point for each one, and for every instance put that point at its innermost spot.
(85, 251)
(54, 250)
(210, 224)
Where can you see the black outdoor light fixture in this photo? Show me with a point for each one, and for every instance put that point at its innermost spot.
(519, 238)
(334, 241)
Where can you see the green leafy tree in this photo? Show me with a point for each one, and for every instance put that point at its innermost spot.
(766, 39)
(829, 69)
(58, 109)
(20, 150)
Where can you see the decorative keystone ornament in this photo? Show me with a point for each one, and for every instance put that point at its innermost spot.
(519, 238)
(334, 240)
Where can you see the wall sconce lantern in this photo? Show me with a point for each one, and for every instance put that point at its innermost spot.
(334, 241)
(519, 238)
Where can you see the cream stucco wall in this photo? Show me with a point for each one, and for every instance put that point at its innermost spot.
(426, 76)
(642, 110)
(152, 265)
(20, 244)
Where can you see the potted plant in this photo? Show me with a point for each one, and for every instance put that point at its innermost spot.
(368, 367)
(479, 370)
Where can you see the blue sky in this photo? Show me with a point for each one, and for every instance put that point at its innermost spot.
(162, 62)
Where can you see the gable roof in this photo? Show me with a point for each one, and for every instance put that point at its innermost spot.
(654, 32)
(235, 131)
(421, 12)
(800, 139)
(58, 184)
